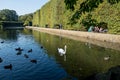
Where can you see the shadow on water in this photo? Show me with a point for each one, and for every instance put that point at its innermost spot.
(83, 59)
(9, 34)
(112, 74)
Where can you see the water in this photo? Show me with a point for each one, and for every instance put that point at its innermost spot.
(82, 59)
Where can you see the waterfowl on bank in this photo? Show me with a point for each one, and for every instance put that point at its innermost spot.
(8, 66)
(62, 51)
(1, 60)
(33, 61)
(29, 50)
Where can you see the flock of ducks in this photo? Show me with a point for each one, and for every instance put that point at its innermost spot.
(19, 52)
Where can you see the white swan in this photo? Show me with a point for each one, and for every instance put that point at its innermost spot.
(62, 51)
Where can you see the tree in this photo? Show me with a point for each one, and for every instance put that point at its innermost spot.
(8, 15)
(70, 4)
(26, 19)
(85, 6)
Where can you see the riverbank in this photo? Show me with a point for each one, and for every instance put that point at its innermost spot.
(90, 35)
(100, 39)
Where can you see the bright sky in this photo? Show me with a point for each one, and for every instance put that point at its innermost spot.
(22, 6)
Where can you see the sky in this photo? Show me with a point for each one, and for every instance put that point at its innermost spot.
(22, 6)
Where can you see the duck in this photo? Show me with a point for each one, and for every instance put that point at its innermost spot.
(33, 61)
(8, 66)
(18, 49)
(41, 47)
(1, 60)
(29, 50)
(106, 58)
(62, 51)
(2, 41)
(26, 56)
(19, 53)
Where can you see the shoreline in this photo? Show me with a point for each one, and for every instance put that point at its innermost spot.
(100, 39)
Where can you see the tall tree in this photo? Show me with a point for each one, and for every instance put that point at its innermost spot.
(26, 19)
(8, 15)
(85, 6)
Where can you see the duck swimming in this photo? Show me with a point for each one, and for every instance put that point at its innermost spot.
(29, 50)
(41, 47)
(26, 56)
(8, 67)
(1, 60)
(19, 53)
(18, 49)
(33, 61)
(2, 41)
(106, 58)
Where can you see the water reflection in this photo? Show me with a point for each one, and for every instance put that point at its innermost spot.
(9, 34)
(82, 59)
(64, 57)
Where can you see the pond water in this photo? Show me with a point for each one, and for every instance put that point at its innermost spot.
(81, 60)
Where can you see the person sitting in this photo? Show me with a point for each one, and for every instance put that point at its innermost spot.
(90, 29)
(96, 29)
(101, 29)
(105, 30)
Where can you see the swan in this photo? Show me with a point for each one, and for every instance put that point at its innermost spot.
(62, 51)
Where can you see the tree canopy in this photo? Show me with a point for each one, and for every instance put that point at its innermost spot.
(26, 19)
(8, 15)
(85, 6)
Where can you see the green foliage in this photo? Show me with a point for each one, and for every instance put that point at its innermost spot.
(113, 1)
(36, 18)
(85, 6)
(8, 15)
(103, 25)
(26, 19)
(109, 14)
(88, 21)
(50, 14)
(80, 14)
(70, 4)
